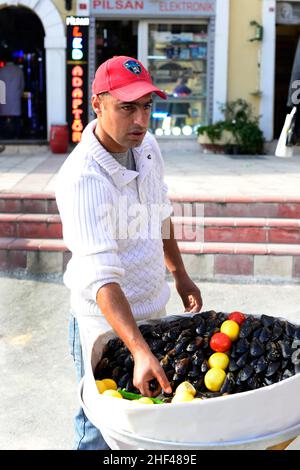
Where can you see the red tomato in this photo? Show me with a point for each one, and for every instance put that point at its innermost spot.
(238, 317)
(220, 342)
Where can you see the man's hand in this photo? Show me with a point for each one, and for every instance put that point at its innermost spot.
(147, 368)
(189, 293)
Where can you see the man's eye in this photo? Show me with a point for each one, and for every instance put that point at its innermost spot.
(127, 108)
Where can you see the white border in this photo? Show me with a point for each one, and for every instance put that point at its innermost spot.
(55, 46)
(267, 80)
(221, 57)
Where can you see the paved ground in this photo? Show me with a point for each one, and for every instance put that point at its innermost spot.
(187, 169)
(37, 387)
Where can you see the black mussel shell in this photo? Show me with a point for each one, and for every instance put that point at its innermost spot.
(287, 374)
(144, 329)
(201, 328)
(181, 345)
(242, 346)
(277, 331)
(242, 361)
(273, 352)
(129, 363)
(173, 333)
(245, 329)
(123, 379)
(194, 372)
(254, 382)
(272, 368)
(233, 367)
(245, 373)
(265, 335)
(233, 352)
(198, 357)
(289, 329)
(183, 366)
(297, 333)
(286, 349)
(204, 366)
(194, 344)
(187, 333)
(156, 345)
(261, 365)
(267, 320)
(228, 384)
(186, 323)
(256, 348)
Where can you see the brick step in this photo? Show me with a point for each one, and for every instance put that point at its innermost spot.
(206, 261)
(208, 229)
(28, 203)
(30, 225)
(210, 206)
(237, 230)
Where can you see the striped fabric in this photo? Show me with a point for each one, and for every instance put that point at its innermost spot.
(111, 220)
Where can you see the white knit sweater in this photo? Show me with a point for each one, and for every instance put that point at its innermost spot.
(90, 185)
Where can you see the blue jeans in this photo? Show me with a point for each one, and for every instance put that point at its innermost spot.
(87, 436)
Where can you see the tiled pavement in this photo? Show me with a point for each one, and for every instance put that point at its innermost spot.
(188, 171)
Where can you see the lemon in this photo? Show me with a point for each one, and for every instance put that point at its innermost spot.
(182, 397)
(186, 387)
(145, 401)
(231, 329)
(110, 384)
(214, 379)
(100, 386)
(112, 393)
(218, 360)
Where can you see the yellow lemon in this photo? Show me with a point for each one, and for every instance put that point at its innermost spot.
(182, 397)
(231, 329)
(112, 393)
(110, 384)
(145, 401)
(186, 387)
(218, 360)
(100, 386)
(214, 379)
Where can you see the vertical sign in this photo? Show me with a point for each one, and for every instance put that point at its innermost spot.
(77, 75)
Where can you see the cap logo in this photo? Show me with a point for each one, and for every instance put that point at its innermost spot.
(133, 67)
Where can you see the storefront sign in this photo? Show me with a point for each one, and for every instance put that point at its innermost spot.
(77, 76)
(153, 8)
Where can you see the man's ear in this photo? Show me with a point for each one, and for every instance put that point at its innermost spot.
(97, 105)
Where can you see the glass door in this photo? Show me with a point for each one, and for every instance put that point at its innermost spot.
(177, 61)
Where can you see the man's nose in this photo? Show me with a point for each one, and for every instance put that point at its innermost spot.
(141, 117)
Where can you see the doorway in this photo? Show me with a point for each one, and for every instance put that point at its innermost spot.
(116, 38)
(22, 35)
(287, 37)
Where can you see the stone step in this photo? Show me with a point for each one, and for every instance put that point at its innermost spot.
(237, 229)
(202, 260)
(30, 225)
(193, 205)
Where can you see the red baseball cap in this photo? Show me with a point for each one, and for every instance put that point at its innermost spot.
(125, 78)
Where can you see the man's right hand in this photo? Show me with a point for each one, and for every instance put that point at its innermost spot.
(147, 368)
(116, 309)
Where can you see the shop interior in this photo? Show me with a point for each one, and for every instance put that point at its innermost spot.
(22, 33)
(287, 37)
(177, 61)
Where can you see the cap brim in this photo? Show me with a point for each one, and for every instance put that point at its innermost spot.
(136, 90)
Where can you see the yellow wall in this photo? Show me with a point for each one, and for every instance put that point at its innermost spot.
(243, 71)
(60, 5)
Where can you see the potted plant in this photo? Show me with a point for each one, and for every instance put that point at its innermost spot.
(238, 133)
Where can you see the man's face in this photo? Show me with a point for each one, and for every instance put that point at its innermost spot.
(122, 125)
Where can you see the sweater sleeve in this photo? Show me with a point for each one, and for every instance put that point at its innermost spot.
(88, 218)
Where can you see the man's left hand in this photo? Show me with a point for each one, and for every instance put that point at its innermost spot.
(190, 294)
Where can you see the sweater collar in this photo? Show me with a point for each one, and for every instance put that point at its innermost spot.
(121, 176)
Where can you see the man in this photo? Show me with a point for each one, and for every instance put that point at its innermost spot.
(110, 186)
(10, 111)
